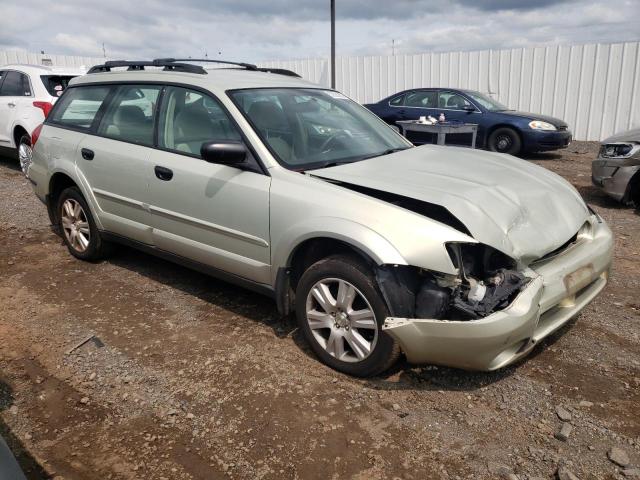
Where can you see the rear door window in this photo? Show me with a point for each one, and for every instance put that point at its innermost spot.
(422, 99)
(55, 84)
(130, 114)
(79, 106)
(15, 84)
(398, 101)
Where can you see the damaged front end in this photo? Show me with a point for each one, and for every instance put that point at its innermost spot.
(492, 311)
(487, 282)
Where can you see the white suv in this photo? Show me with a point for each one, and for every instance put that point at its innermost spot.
(27, 93)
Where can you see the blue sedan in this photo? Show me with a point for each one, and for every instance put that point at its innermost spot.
(499, 128)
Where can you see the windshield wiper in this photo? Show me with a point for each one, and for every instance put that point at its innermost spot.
(329, 165)
(334, 163)
(386, 152)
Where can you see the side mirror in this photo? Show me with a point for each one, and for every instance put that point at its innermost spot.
(469, 108)
(224, 153)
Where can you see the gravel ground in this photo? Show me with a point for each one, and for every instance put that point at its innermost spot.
(191, 378)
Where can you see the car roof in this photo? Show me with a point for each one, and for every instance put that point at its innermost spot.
(220, 79)
(42, 69)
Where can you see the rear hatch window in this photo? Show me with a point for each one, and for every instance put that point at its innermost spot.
(55, 84)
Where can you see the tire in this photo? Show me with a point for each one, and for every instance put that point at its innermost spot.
(78, 228)
(505, 140)
(25, 153)
(352, 345)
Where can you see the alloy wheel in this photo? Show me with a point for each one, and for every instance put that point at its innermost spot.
(25, 154)
(75, 225)
(341, 320)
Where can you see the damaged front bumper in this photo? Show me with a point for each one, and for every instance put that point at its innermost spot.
(560, 288)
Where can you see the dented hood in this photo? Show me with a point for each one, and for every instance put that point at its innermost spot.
(510, 204)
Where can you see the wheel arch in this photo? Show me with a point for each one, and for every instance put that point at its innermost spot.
(18, 131)
(633, 190)
(58, 182)
(511, 126)
(308, 249)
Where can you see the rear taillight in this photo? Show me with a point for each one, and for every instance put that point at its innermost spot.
(35, 135)
(45, 106)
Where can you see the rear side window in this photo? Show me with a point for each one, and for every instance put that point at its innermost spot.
(129, 115)
(55, 84)
(15, 84)
(78, 107)
(398, 101)
(188, 119)
(422, 99)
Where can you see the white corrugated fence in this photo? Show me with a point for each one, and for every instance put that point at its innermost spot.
(594, 87)
(30, 58)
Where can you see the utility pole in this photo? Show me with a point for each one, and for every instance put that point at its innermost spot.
(104, 52)
(333, 43)
(393, 47)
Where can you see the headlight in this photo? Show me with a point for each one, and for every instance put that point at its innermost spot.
(616, 150)
(540, 125)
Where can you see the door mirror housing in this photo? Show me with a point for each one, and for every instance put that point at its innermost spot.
(469, 108)
(224, 153)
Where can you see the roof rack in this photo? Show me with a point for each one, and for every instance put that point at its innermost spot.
(248, 66)
(139, 65)
(178, 65)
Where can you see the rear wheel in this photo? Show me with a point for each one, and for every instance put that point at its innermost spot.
(505, 140)
(341, 312)
(25, 153)
(78, 228)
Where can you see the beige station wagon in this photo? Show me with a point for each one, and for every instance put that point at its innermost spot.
(447, 255)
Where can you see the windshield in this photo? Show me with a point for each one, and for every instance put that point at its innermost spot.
(313, 128)
(487, 102)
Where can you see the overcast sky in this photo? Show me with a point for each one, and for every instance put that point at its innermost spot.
(254, 30)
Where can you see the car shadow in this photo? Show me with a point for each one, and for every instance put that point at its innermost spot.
(596, 197)
(541, 156)
(237, 300)
(8, 160)
(261, 309)
(29, 465)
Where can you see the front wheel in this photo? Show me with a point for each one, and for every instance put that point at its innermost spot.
(341, 311)
(505, 140)
(25, 153)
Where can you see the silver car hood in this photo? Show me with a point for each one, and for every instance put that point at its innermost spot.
(632, 135)
(510, 204)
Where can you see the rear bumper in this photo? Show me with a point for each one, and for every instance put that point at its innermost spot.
(560, 288)
(540, 141)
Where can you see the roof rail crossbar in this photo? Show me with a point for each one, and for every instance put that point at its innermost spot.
(139, 65)
(248, 66)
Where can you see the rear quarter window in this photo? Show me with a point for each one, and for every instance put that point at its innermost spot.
(56, 84)
(78, 107)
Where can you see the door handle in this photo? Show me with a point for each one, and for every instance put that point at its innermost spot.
(87, 154)
(163, 173)
(11, 104)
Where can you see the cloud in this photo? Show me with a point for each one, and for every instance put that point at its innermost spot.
(255, 30)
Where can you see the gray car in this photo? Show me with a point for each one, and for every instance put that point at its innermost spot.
(449, 255)
(617, 168)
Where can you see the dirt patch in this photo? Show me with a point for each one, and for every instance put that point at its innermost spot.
(197, 379)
